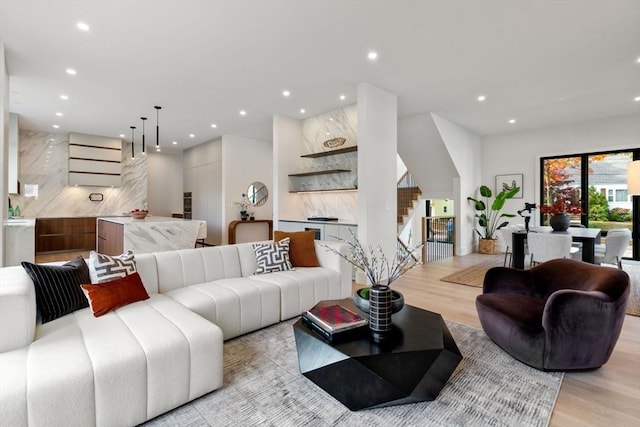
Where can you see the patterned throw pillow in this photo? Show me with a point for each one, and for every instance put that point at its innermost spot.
(107, 296)
(105, 267)
(57, 287)
(271, 257)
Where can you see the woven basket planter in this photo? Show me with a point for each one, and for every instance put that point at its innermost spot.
(487, 246)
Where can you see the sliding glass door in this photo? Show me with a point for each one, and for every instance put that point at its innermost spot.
(602, 177)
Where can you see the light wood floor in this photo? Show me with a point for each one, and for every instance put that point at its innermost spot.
(609, 396)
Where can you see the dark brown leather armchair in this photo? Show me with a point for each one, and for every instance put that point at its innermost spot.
(560, 315)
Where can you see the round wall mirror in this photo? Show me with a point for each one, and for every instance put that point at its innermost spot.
(257, 193)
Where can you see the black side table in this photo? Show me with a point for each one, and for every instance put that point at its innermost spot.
(412, 366)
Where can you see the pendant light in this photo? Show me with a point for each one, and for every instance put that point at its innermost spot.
(143, 121)
(157, 126)
(132, 129)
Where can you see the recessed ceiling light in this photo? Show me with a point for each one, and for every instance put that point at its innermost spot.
(482, 98)
(51, 139)
(71, 71)
(158, 149)
(328, 133)
(638, 60)
(637, 99)
(243, 113)
(63, 96)
(175, 142)
(512, 121)
(342, 97)
(59, 114)
(302, 110)
(330, 119)
(56, 126)
(122, 135)
(191, 135)
(286, 93)
(82, 26)
(213, 125)
(372, 55)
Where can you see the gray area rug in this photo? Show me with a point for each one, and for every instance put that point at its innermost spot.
(263, 386)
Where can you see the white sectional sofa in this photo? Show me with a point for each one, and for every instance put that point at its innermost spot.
(151, 356)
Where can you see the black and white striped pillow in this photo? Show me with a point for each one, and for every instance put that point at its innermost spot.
(57, 287)
(106, 267)
(271, 257)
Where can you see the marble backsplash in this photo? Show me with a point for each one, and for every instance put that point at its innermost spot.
(342, 205)
(44, 162)
(315, 131)
(340, 123)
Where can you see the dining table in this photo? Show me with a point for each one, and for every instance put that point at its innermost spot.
(589, 237)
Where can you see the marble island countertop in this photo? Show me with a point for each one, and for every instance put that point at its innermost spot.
(157, 233)
(339, 222)
(149, 219)
(20, 222)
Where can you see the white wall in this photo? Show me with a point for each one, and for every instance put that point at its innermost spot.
(464, 148)
(377, 150)
(245, 161)
(287, 137)
(520, 152)
(203, 178)
(4, 144)
(164, 183)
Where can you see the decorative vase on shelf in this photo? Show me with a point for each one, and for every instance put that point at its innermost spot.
(380, 311)
(560, 222)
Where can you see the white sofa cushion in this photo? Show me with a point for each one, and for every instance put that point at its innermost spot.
(123, 368)
(17, 309)
(303, 288)
(237, 305)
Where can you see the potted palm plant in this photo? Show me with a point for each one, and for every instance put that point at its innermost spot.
(490, 215)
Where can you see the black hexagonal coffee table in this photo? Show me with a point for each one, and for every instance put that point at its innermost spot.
(413, 365)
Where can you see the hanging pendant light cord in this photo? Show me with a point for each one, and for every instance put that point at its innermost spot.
(157, 126)
(132, 154)
(143, 121)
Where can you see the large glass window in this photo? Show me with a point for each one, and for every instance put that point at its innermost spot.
(602, 177)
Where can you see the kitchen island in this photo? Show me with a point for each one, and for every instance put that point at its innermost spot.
(152, 234)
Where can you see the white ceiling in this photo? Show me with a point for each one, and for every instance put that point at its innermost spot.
(540, 62)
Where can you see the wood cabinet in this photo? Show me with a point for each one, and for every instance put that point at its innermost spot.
(110, 238)
(65, 234)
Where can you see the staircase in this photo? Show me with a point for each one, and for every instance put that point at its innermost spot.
(408, 193)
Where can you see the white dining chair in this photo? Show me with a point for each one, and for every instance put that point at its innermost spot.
(616, 243)
(546, 246)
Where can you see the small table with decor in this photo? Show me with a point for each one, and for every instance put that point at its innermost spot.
(587, 236)
(412, 365)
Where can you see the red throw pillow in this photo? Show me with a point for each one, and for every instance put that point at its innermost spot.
(107, 296)
(302, 247)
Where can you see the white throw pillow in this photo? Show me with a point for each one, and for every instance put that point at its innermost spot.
(271, 257)
(103, 268)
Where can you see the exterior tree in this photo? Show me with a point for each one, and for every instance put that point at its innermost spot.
(598, 205)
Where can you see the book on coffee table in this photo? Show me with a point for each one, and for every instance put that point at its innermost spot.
(334, 318)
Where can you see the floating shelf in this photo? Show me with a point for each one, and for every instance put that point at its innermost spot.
(323, 172)
(332, 152)
(325, 190)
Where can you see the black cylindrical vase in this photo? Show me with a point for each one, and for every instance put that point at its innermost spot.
(380, 312)
(560, 222)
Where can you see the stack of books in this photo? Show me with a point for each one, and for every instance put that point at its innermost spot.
(333, 321)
